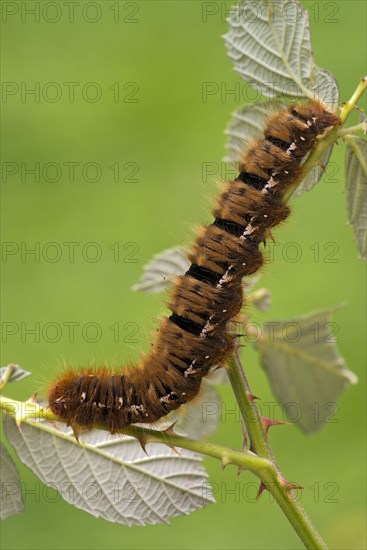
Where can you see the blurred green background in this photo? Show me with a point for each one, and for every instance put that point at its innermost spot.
(166, 50)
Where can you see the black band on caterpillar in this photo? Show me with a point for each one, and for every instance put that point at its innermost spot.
(195, 337)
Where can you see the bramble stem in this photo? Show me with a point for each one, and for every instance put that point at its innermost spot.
(327, 139)
(357, 152)
(349, 105)
(265, 469)
(9, 371)
(274, 481)
(255, 429)
(31, 413)
(352, 129)
(248, 408)
(260, 459)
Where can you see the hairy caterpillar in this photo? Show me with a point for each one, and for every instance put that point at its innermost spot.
(196, 337)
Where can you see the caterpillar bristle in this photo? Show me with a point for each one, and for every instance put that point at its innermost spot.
(196, 336)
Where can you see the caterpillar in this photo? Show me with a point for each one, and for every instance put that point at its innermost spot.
(196, 335)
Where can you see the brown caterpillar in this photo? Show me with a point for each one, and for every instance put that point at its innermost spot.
(196, 337)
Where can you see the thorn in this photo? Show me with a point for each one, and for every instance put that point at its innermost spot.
(244, 434)
(76, 434)
(225, 461)
(142, 445)
(175, 450)
(267, 423)
(292, 486)
(33, 397)
(322, 165)
(251, 396)
(170, 430)
(143, 442)
(240, 470)
(289, 486)
(18, 422)
(262, 488)
(76, 431)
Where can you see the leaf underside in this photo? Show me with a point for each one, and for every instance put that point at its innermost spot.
(305, 369)
(160, 272)
(17, 373)
(356, 190)
(110, 476)
(10, 494)
(247, 124)
(270, 46)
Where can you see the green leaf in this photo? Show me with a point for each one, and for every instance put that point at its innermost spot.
(305, 369)
(200, 417)
(11, 497)
(110, 476)
(315, 174)
(356, 189)
(160, 273)
(270, 45)
(248, 123)
(12, 373)
(260, 298)
(363, 120)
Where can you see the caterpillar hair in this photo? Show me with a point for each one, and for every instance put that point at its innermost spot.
(196, 336)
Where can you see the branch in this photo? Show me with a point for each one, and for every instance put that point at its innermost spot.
(249, 411)
(255, 426)
(362, 127)
(260, 459)
(349, 105)
(327, 139)
(31, 413)
(275, 482)
(265, 469)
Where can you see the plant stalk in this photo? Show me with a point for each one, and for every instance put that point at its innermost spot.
(326, 140)
(274, 482)
(349, 105)
(249, 411)
(31, 413)
(254, 426)
(260, 459)
(265, 469)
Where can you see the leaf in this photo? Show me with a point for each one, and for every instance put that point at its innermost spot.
(356, 189)
(11, 497)
(315, 174)
(159, 274)
(16, 375)
(217, 376)
(200, 417)
(202, 414)
(109, 476)
(248, 123)
(270, 45)
(363, 120)
(325, 87)
(261, 299)
(304, 367)
(161, 271)
(251, 281)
